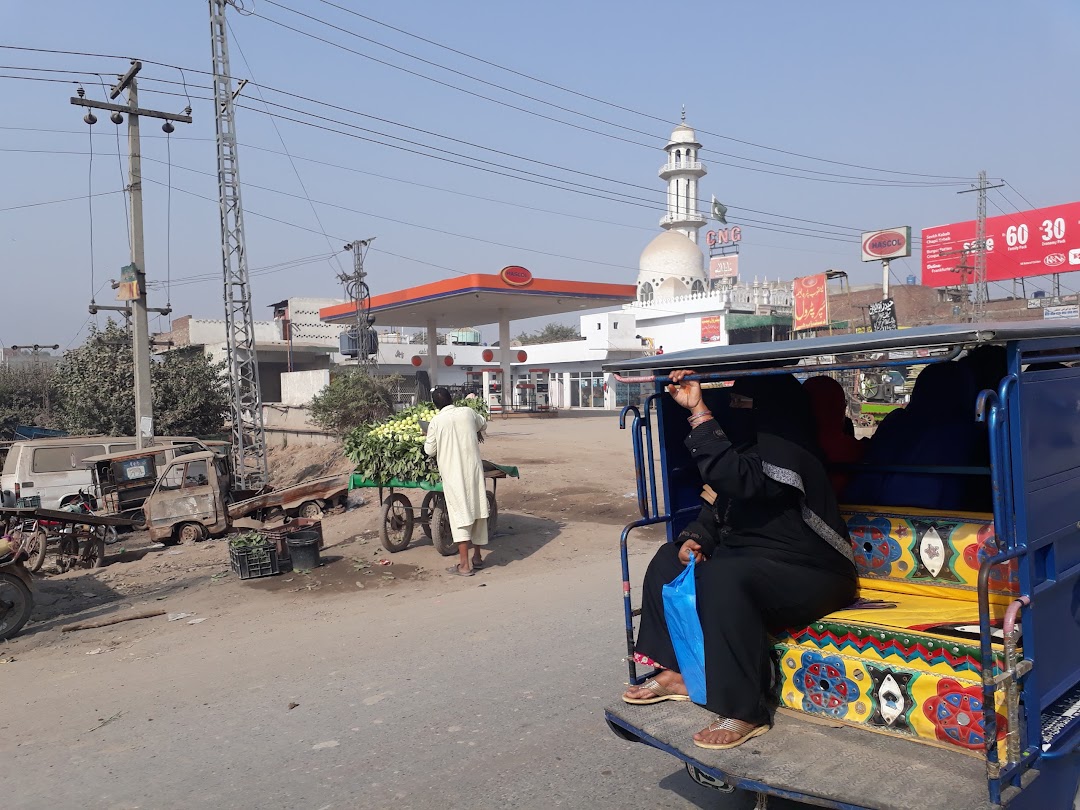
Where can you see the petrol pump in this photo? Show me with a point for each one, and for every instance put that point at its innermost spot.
(489, 381)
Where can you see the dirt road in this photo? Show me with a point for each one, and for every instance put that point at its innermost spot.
(358, 684)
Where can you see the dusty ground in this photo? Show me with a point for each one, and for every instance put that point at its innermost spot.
(575, 471)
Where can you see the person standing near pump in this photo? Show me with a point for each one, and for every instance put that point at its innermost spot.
(453, 438)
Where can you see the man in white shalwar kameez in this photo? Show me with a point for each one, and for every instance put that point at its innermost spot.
(453, 437)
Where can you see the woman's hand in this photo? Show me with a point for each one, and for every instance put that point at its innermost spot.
(690, 547)
(686, 393)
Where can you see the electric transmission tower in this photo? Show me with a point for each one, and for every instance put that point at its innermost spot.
(356, 288)
(248, 437)
(982, 291)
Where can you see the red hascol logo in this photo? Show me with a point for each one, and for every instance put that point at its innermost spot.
(1054, 260)
(516, 276)
(884, 243)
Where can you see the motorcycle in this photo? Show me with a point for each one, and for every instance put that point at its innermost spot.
(16, 597)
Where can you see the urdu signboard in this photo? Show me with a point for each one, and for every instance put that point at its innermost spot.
(811, 303)
(724, 266)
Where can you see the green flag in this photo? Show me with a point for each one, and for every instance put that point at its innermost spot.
(719, 211)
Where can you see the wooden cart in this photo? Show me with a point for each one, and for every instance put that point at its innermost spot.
(398, 518)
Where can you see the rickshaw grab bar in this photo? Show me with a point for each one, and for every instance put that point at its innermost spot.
(717, 376)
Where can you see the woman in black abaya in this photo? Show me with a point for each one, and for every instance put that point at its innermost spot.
(771, 548)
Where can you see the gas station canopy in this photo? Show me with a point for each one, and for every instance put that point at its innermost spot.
(482, 298)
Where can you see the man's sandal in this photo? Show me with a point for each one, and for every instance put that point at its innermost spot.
(745, 730)
(661, 694)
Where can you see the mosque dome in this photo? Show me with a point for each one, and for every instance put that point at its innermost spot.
(669, 266)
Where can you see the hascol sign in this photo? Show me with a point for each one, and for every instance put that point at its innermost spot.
(516, 276)
(891, 243)
(811, 302)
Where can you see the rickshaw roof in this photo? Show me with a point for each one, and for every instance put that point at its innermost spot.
(940, 336)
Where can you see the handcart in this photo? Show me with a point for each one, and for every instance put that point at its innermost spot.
(397, 517)
(79, 535)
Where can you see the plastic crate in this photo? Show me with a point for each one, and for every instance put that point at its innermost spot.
(33, 502)
(252, 563)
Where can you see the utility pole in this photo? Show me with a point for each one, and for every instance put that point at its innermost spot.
(356, 288)
(982, 292)
(133, 277)
(248, 437)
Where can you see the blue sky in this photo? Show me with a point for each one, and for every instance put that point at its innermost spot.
(927, 87)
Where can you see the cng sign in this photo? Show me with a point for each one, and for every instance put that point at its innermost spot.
(892, 243)
(516, 276)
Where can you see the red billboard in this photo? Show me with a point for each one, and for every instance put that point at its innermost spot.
(811, 302)
(710, 329)
(1029, 243)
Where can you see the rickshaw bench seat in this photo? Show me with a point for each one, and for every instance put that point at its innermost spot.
(903, 660)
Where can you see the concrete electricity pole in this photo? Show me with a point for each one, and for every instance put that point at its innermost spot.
(133, 277)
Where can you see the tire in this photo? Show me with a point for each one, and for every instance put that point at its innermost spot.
(396, 523)
(493, 516)
(93, 555)
(310, 510)
(138, 520)
(190, 533)
(36, 546)
(425, 513)
(16, 603)
(441, 537)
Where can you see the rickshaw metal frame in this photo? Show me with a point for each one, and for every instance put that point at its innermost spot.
(1000, 410)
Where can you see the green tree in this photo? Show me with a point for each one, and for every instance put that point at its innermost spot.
(353, 398)
(96, 382)
(551, 333)
(27, 396)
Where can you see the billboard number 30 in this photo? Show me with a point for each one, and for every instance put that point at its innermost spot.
(1050, 230)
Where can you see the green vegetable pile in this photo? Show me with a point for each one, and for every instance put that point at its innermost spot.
(249, 539)
(394, 447)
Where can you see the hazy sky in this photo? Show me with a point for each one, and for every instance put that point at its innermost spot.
(928, 88)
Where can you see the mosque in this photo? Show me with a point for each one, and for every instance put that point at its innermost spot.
(681, 299)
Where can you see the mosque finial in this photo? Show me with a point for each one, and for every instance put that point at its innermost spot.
(684, 113)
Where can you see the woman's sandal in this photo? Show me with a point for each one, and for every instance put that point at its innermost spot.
(661, 694)
(745, 730)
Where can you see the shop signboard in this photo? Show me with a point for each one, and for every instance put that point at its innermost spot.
(1061, 313)
(891, 243)
(811, 302)
(883, 315)
(516, 276)
(724, 266)
(710, 329)
(1039, 242)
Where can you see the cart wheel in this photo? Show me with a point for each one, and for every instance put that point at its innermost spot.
(425, 513)
(16, 602)
(441, 537)
(396, 526)
(93, 553)
(310, 510)
(493, 516)
(190, 533)
(67, 552)
(36, 545)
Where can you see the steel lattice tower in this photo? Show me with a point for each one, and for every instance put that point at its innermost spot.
(248, 437)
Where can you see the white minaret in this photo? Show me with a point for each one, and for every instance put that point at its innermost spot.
(682, 172)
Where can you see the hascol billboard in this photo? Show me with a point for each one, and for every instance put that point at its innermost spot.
(891, 243)
(1029, 243)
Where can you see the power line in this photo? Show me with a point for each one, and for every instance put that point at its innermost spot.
(854, 181)
(281, 140)
(62, 200)
(614, 105)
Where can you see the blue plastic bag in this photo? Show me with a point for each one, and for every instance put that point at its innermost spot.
(684, 627)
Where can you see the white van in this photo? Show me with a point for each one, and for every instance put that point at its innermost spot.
(53, 469)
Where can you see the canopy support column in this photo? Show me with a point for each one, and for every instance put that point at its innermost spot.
(504, 362)
(433, 353)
